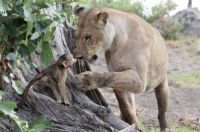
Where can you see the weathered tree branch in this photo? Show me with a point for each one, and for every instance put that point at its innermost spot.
(89, 111)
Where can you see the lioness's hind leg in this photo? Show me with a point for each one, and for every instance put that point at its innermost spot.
(162, 93)
(127, 106)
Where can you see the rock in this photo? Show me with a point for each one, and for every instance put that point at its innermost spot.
(190, 18)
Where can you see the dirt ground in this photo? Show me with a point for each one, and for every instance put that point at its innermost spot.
(184, 102)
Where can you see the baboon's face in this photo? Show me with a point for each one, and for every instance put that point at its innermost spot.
(66, 60)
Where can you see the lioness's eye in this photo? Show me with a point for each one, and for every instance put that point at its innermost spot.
(87, 37)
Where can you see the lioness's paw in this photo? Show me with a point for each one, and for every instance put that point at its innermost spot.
(85, 81)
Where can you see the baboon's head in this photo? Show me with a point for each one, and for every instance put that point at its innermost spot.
(90, 35)
(66, 60)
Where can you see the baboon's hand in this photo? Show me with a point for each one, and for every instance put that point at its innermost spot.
(86, 81)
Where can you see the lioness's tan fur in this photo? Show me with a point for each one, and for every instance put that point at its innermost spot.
(135, 53)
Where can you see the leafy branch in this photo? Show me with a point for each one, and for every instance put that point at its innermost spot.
(27, 25)
(7, 110)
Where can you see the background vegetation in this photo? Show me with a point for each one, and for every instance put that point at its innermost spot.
(26, 26)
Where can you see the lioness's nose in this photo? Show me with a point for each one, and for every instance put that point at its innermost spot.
(77, 54)
(94, 57)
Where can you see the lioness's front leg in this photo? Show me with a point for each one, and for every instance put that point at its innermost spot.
(127, 80)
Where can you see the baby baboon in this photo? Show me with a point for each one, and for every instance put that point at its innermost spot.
(53, 76)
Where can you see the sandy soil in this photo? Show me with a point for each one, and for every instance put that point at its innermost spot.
(184, 102)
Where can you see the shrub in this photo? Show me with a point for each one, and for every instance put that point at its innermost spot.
(24, 26)
(169, 27)
(160, 11)
(7, 111)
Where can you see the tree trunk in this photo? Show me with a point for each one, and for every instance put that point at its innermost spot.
(89, 111)
(189, 3)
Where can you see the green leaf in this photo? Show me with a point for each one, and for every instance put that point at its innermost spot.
(22, 42)
(20, 125)
(48, 36)
(28, 2)
(17, 128)
(45, 23)
(24, 49)
(41, 3)
(16, 85)
(38, 27)
(38, 31)
(18, 9)
(50, 2)
(11, 29)
(29, 28)
(46, 54)
(1, 94)
(28, 13)
(35, 35)
(3, 5)
(7, 107)
(38, 124)
(39, 46)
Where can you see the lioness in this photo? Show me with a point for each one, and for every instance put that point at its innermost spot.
(135, 53)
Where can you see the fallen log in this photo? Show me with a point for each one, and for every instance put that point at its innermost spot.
(89, 111)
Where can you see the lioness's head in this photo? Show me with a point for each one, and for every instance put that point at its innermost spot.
(90, 35)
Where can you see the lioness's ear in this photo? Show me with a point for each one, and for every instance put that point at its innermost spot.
(101, 18)
(78, 10)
